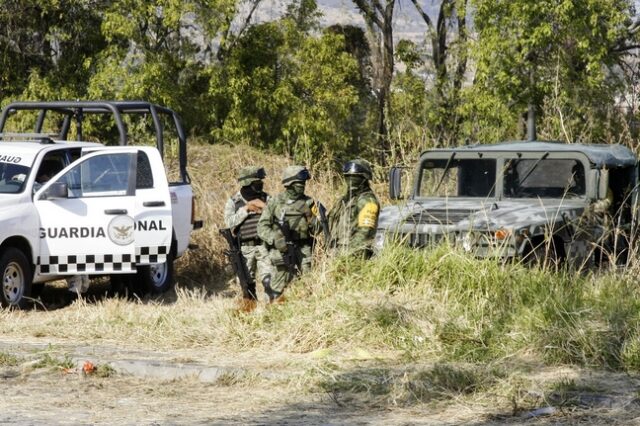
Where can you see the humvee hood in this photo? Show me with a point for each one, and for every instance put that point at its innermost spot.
(465, 215)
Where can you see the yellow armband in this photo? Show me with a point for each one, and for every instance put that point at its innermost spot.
(368, 216)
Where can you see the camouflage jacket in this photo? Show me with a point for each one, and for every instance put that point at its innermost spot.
(300, 214)
(353, 221)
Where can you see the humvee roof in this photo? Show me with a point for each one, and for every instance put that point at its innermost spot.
(601, 155)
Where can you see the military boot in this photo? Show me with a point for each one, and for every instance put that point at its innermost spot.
(247, 305)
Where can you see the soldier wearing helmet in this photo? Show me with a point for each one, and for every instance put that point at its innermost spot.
(354, 217)
(292, 212)
(241, 214)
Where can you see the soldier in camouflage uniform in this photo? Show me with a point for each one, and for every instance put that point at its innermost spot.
(241, 214)
(354, 218)
(297, 210)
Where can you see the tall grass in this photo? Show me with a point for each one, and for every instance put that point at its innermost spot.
(437, 306)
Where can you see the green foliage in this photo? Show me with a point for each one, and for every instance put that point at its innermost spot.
(413, 112)
(48, 47)
(293, 87)
(51, 361)
(562, 54)
(8, 360)
(284, 89)
(151, 57)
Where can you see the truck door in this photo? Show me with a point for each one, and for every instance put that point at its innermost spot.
(86, 216)
(153, 221)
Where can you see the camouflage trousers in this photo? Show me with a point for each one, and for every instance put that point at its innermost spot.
(280, 279)
(258, 263)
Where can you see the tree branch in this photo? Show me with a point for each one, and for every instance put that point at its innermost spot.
(422, 13)
(224, 49)
(369, 12)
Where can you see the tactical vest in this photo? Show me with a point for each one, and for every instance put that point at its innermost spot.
(298, 215)
(248, 229)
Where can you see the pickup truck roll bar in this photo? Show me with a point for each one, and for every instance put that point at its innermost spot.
(75, 111)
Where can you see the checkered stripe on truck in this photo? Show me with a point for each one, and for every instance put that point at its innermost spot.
(86, 263)
(92, 263)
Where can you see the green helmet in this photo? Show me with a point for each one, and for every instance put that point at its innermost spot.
(357, 167)
(295, 174)
(250, 174)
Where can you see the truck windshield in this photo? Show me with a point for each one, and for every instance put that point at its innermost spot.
(12, 177)
(455, 177)
(550, 178)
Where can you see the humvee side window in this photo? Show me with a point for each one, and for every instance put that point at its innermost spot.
(544, 178)
(458, 178)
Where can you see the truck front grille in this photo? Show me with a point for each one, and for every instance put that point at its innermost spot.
(423, 240)
(439, 217)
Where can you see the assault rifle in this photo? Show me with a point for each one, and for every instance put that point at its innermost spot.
(291, 256)
(324, 224)
(239, 264)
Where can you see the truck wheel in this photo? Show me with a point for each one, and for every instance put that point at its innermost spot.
(158, 277)
(16, 278)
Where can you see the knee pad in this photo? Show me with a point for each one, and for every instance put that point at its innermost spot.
(266, 281)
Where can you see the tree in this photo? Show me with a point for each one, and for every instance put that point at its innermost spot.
(564, 55)
(48, 47)
(447, 51)
(285, 89)
(378, 17)
(153, 55)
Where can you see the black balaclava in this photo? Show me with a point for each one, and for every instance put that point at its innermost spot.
(252, 191)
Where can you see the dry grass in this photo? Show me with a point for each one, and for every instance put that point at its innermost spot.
(409, 327)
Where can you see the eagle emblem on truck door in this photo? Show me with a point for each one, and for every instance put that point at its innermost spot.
(121, 229)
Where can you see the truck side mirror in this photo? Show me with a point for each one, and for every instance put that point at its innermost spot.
(56, 190)
(395, 183)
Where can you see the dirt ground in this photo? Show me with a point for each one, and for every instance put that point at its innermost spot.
(42, 382)
(47, 385)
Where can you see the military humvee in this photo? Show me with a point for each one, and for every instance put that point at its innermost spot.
(544, 201)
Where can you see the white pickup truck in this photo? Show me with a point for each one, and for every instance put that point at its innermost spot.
(78, 209)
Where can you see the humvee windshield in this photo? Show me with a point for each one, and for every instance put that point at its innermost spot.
(544, 178)
(457, 178)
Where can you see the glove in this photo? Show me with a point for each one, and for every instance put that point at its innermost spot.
(255, 206)
(280, 244)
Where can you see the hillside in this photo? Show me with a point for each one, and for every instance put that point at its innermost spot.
(432, 337)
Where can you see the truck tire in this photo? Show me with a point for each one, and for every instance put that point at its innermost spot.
(16, 279)
(157, 278)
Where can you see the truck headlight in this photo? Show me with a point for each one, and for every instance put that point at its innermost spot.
(502, 234)
(468, 241)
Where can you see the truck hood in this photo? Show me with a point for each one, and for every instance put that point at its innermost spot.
(453, 214)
